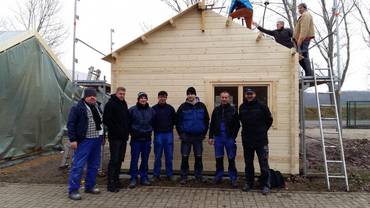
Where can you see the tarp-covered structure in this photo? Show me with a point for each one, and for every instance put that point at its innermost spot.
(35, 95)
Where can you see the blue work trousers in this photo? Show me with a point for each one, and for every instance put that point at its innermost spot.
(87, 153)
(163, 143)
(140, 149)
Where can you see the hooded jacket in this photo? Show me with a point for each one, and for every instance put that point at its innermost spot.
(116, 118)
(192, 120)
(141, 122)
(240, 3)
(256, 120)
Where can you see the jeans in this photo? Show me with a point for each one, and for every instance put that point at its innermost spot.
(139, 148)
(163, 142)
(185, 152)
(87, 152)
(117, 155)
(305, 62)
(262, 154)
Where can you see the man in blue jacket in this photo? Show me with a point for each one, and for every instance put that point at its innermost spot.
(192, 126)
(223, 131)
(85, 132)
(163, 123)
(141, 127)
(241, 8)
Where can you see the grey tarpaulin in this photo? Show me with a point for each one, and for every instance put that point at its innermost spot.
(35, 97)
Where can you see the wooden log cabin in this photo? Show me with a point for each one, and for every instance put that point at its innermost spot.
(196, 48)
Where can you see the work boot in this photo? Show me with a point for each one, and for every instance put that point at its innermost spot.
(247, 188)
(119, 185)
(74, 195)
(216, 180)
(145, 182)
(132, 184)
(234, 184)
(200, 179)
(183, 181)
(92, 191)
(112, 189)
(156, 179)
(265, 190)
(171, 178)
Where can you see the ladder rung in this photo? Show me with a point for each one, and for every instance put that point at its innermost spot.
(334, 161)
(320, 69)
(328, 119)
(327, 105)
(327, 132)
(337, 176)
(330, 92)
(330, 146)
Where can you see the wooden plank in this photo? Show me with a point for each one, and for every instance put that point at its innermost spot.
(205, 63)
(210, 57)
(260, 51)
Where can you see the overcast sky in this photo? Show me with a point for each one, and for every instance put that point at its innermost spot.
(127, 17)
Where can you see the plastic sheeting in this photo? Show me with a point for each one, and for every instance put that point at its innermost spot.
(35, 97)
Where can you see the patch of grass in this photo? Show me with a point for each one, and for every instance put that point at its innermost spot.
(362, 113)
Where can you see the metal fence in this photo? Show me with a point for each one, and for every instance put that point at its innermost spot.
(358, 114)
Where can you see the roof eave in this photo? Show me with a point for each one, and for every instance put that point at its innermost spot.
(111, 58)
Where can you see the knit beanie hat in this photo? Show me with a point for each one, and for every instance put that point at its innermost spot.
(89, 91)
(142, 94)
(191, 90)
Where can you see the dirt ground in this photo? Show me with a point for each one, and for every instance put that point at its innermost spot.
(44, 170)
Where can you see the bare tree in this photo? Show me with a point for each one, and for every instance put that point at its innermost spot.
(325, 26)
(41, 16)
(363, 21)
(180, 5)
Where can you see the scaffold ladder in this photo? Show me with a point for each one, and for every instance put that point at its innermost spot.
(333, 151)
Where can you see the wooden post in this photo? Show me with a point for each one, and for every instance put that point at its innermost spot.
(202, 7)
(143, 39)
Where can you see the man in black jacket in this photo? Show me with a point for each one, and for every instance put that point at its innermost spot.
(223, 131)
(116, 118)
(281, 35)
(141, 127)
(192, 126)
(163, 123)
(256, 120)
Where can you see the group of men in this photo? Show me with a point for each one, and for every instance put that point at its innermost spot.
(300, 39)
(192, 122)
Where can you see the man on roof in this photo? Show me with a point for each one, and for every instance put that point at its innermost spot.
(241, 8)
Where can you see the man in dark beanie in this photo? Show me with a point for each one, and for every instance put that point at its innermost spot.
(192, 126)
(256, 120)
(141, 127)
(85, 132)
(116, 118)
